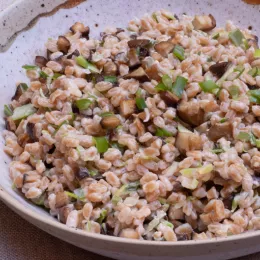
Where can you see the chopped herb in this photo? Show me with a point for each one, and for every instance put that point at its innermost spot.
(161, 87)
(81, 61)
(43, 75)
(236, 37)
(162, 132)
(257, 143)
(209, 86)
(7, 110)
(101, 144)
(243, 136)
(140, 103)
(83, 104)
(23, 87)
(93, 172)
(72, 195)
(23, 111)
(257, 53)
(106, 114)
(254, 72)
(223, 120)
(155, 17)
(111, 79)
(102, 216)
(254, 96)
(167, 223)
(234, 91)
(132, 186)
(179, 86)
(209, 59)
(56, 75)
(215, 36)
(234, 204)
(30, 67)
(240, 69)
(167, 81)
(179, 52)
(217, 151)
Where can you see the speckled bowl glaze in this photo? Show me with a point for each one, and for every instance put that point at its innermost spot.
(98, 14)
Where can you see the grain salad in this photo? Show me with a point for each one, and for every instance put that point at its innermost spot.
(150, 132)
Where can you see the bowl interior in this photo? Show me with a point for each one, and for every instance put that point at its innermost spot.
(98, 15)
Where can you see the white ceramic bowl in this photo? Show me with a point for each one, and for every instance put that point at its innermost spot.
(102, 13)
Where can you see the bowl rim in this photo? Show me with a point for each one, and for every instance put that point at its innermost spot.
(29, 213)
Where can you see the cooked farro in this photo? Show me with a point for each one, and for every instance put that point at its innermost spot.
(147, 133)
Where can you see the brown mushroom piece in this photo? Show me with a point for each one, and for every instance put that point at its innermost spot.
(133, 58)
(138, 74)
(153, 72)
(164, 48)
(253, 41)
(110, 68)
(187, 141)
(191, 113)
(169, 98)
(219, 68)
(138, 43)
(62, 199)
(127, 107)
(31, 132)
(40, 61)
(63, 44)
(220, 130)
(21, 88)
(110, 122)
(121, 58)
(204, 22)
(79, 27)
(74, 53)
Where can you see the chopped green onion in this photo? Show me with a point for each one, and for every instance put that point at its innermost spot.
(40, 200)
(23, 87)
(254, 96)
(167, 223)
(167, 81)
(101, 144)
(215, 36)
(154, 17)
(43, 75)
(162, 132)
(236, 37)
(234, 204)
(56, 75)
(102, 216)
(83, 104)
(208, 86)
(30, 67)
(226, 74)
(209, 59)
(234, 91)
(7, 110)
(132, 186)
(93, 172)
(161, 87)
(81, 61)
(111, 79)
(223, 120)
(138, 92)
(240, 69)
(179, 52)
(72, 195)
(243, 136)
(257, 53)
(140, 103)
(13, 186)
(106, 114)
(41, 93)
(254, 72)
(179, 86)
(257, 143)
(23, 111)
(217, 151)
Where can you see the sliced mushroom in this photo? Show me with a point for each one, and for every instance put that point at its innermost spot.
(82, 173)
(63, 44)
(110, 122)
(110, 68)
(138, 43)
(177, 187)
(40, 61)
(133, 58)
(74, 53)
(219, 68)
(143, 52)
(21, 88)
(204, 22)
(121, 58)
(191, 113)
(31, 132)
(79, 27)
(62, 199)
(169, 98)
(153, 72)
(138, 74)
(220, 130)
(188, 141)
(164, 48)
(127, 107)
(253, 41)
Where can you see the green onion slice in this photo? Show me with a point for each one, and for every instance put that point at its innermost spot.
(236, 37)
(81, 61)
(239, 69)
(83, 104)
(167, 81)
(102, 216)
(111, 79)
(140, 103)
(30, 67)
(7, 110)
(23, 111)
(106, 114)
(101, 144)
(215, 36)
(179, 52)
(161, 87)
(254, 72)
(257, 53)
(162, 132)
(234, 91)
(43, 75)
(208, 86)
(179, 86)
(223, 120)
(254, 96)
(56, 75)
